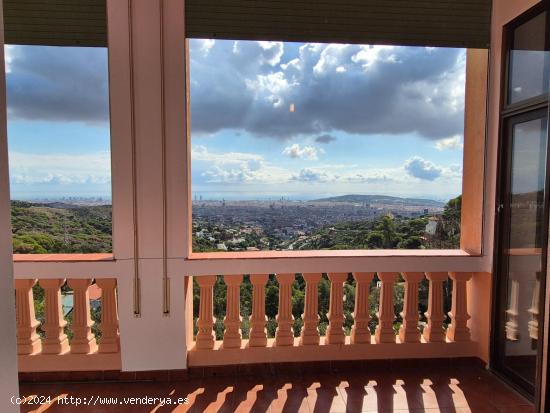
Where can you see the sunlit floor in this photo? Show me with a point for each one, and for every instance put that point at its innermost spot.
(361, 389)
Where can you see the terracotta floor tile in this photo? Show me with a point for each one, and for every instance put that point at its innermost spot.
(360, 399)
(446, 390)
(325, 400)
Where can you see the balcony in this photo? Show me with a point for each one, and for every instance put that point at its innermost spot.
(159, 333)
(437, 368)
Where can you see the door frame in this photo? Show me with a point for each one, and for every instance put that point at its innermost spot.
(500, 287)
(521, 110)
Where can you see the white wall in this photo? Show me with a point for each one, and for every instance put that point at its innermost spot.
(8, 353)
(148, 106)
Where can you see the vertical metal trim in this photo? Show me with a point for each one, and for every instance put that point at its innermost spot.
(542, 385)
(136, 284)
(165, 279)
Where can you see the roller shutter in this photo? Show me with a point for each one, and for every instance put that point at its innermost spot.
(452, 23)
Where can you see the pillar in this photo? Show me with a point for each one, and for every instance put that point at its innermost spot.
(434, 330)
(360, 333)
(109, 342)
(205, 335)
(386, 314)
(55, 341)
(83, 341)
(310, 331)
(335, 330)
(28, 341)
(409, 332)
(284, 335)
(258, 332)
(458, 330)
(232, 335)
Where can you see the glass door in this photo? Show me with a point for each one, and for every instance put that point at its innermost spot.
(523, 244)
(523, 205)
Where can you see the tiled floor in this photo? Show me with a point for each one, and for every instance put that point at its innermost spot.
(427, 389)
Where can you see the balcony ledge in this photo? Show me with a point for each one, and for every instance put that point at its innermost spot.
(328, 254)
(62, 257)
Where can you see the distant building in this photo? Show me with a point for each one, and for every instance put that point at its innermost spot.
(431, 226)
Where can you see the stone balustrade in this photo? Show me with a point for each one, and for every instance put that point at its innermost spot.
(431, 338)
(39, 341)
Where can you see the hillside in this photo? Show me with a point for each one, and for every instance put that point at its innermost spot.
(60, 228)
(382, 199)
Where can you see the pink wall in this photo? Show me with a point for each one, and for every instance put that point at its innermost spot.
(480, 288)
(503, 12)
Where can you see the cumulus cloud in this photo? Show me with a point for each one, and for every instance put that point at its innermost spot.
(454, 142)
(356, 89)
(309, 153)
(420, 168)
(235, 167)
(58, 84)
(326, 138)
(311, 176)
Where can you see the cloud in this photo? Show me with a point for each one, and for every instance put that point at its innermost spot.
(234, 167)
(61, 84)
(309, 153)
(60, 169)
(356, 89)
(419, 168)
(311, 176)
(369, 178)
(454, 142)
(325, 138)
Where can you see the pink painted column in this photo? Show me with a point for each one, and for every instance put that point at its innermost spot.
(434, 330)
(310, 331)
(458, 330)
(386, 315)
(284, 335)
(232, 335)
(205, 335)
(56, 340)
(335, 330)
(360, 333)
(110, 340)
(409, 332)
(28, 341)
(258, 332)
(83, 341)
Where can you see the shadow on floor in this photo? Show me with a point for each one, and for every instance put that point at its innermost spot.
(429, 389)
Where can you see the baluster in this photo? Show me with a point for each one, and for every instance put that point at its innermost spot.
(409, 332)
(386, 314)
(533, 324)
(434, 330)
(110, 340)
(232, 321)
(360, 333)
(205, 323)
(258, 332)
(335, 330)
(28, 341)
(284, 335)
(55, 341)
(458, 330)
(83, 341)
(512, 313)
(310, 332)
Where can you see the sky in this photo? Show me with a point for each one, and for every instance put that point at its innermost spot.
(268, 119)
